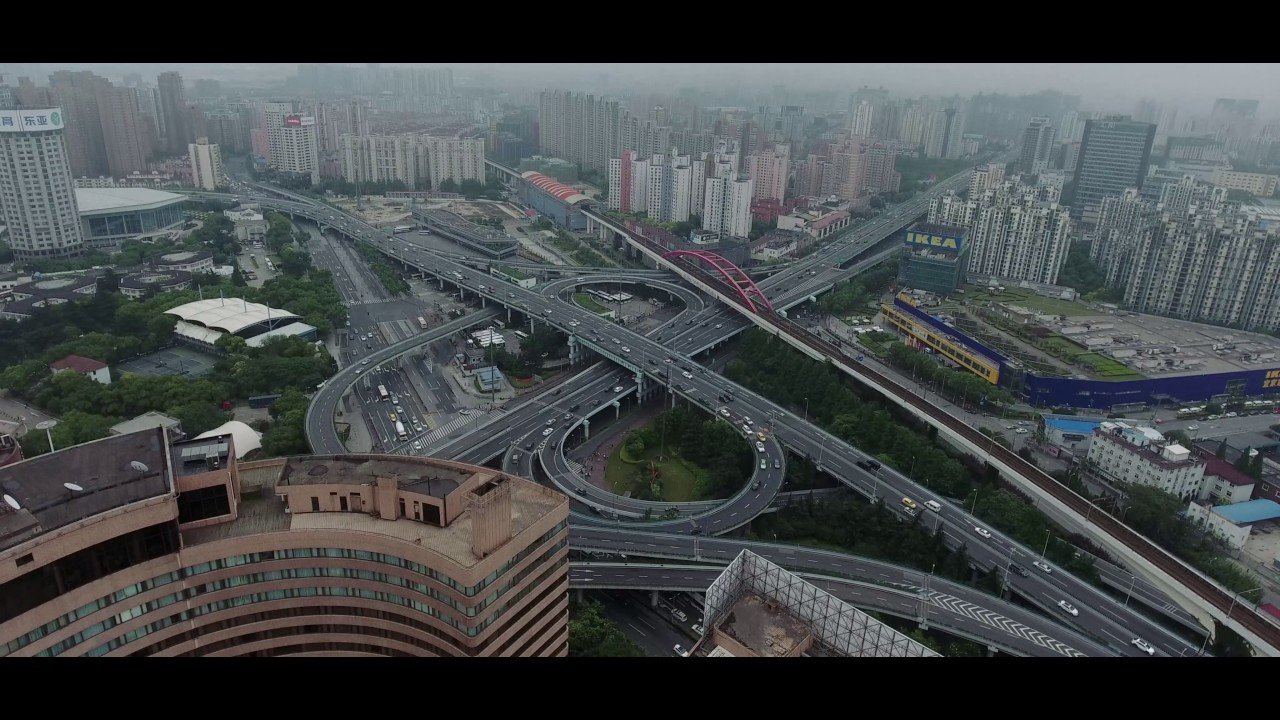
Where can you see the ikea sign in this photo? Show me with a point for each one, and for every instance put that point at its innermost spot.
(942, 242)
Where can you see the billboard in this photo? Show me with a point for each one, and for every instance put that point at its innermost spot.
(947, 243)
(27, 120)
(298, 121)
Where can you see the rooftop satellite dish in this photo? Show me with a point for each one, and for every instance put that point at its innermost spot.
(140, 467)
(72, 487)
(12, 503)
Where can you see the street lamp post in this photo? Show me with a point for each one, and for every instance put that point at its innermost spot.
(806, 409)
(1047, 534)
(1133, 579)
(1236, 597)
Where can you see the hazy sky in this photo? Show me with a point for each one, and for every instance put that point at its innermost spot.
(1103, 86)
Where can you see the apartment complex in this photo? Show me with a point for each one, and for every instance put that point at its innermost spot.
(1140, 455)
(768, 171)
(137, 546)
(1016, 231)
(1037, 146)
(1252, 183)
(945, 138)
(37, 196)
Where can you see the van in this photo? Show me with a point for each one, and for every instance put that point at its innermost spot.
(933, 505)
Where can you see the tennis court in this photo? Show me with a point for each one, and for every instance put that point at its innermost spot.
(182, 361)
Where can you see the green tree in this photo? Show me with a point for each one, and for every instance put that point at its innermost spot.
(593, 635)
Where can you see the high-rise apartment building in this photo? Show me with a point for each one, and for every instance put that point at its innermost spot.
(179, 549)
(863, 113)
(206, 164)
(984, 178)
(580, 128)
(727, 206)
(124, 130)
(228, 130)
(1016, 231)
(914, 121)
(1114, 154)
(881, 177)
(1037, 146)
(177, 116)
(623, 180)
(768, 171)
(945, 138)
(669, 188)
(383, 159)
(37, 195)
(455, 159)
(292, 141)
(77, 93)
(1121, 220)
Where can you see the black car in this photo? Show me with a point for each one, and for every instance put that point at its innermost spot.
(678, 386)
(558, 391)
(595, 402)
(575, 406)
(528, 446)
(580, 490)
(867, 464)
(697, 530)
(1019, 569)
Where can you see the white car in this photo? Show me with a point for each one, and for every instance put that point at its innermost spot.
(417, 445)
(759, 447)
(983, 532)
(616, 341)
(1021, 431)
(681, 651)
(1143, 645)
(548, 431)
(626, 349)
(1068, 608)
(617, 388)
(1043, 566)
(686, 375)
(1193, 428)
(464, 411)
(724, 412)
(747, 420)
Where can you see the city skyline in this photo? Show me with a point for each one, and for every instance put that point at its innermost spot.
(1104, 87)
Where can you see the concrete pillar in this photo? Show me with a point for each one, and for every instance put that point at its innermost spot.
(586, 429)
(484, 301)
(990, 650)
(530, 324)
(617, 410)
(973, 575)
(575, 350)
(579, 591)
(441, 284)
(653, 598)
(508, 314)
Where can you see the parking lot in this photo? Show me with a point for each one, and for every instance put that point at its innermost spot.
(182, 361)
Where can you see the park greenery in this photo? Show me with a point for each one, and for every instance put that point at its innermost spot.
(773, 369)
(952, 383)
(712, 451)
(112, 328)
(856, 294)
(543, 343)
(215, 234)
(591, 634)
(1081, 274)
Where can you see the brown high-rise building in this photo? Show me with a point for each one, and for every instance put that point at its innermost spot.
(137, 546)
(77, 93)
(124, 130)
(176, 122)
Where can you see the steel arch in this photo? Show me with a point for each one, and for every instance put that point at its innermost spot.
(742, 282)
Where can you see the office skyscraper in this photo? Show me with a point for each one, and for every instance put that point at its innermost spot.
(37, 196)
(1037, 146)
(1114, 155)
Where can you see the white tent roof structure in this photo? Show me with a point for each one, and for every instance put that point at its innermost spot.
(246, 439)
(229, 314)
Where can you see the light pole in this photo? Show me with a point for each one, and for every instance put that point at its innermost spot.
(806, 409)
(1236, 597)
(47, 426)
(1047, 534)
(1132, 580)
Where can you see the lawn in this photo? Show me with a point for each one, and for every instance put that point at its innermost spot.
(1026, 298)
(677, 479)
(1106, 368)
(587, 302)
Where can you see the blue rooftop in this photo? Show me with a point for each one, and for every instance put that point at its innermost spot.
(1084, 427)
(1249, 512)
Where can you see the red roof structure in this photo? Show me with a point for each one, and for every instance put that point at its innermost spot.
(554, 188)
(77, 363)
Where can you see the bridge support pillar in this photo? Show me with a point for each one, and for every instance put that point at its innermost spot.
(973, 575)
(508, 314)
(441, 284)
(990, 650)
(484, 302)
(653, 598)
(617, 410)
(579, 591)
(575, 350)
(586, 429)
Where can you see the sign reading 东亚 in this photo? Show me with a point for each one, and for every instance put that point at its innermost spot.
(30, 120)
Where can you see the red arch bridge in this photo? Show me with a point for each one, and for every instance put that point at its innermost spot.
(746, 288)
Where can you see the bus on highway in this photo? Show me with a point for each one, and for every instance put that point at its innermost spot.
(382, 392)
(403, 229)
(400, 433)
(522, 335)
(422, 322)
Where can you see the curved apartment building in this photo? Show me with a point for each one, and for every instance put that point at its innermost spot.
(136, 546)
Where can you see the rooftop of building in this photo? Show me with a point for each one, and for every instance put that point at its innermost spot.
(145, 421)
(554, 188)
(77, 363)
(104, 471)
(764, 628)
(96, 201)
(1218, 467)
(1250, 511)
(163, 278)
(530, 502)
(1069, 425)
(245, 438)
(201, 453)
(1113, 431)
(228, 314)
